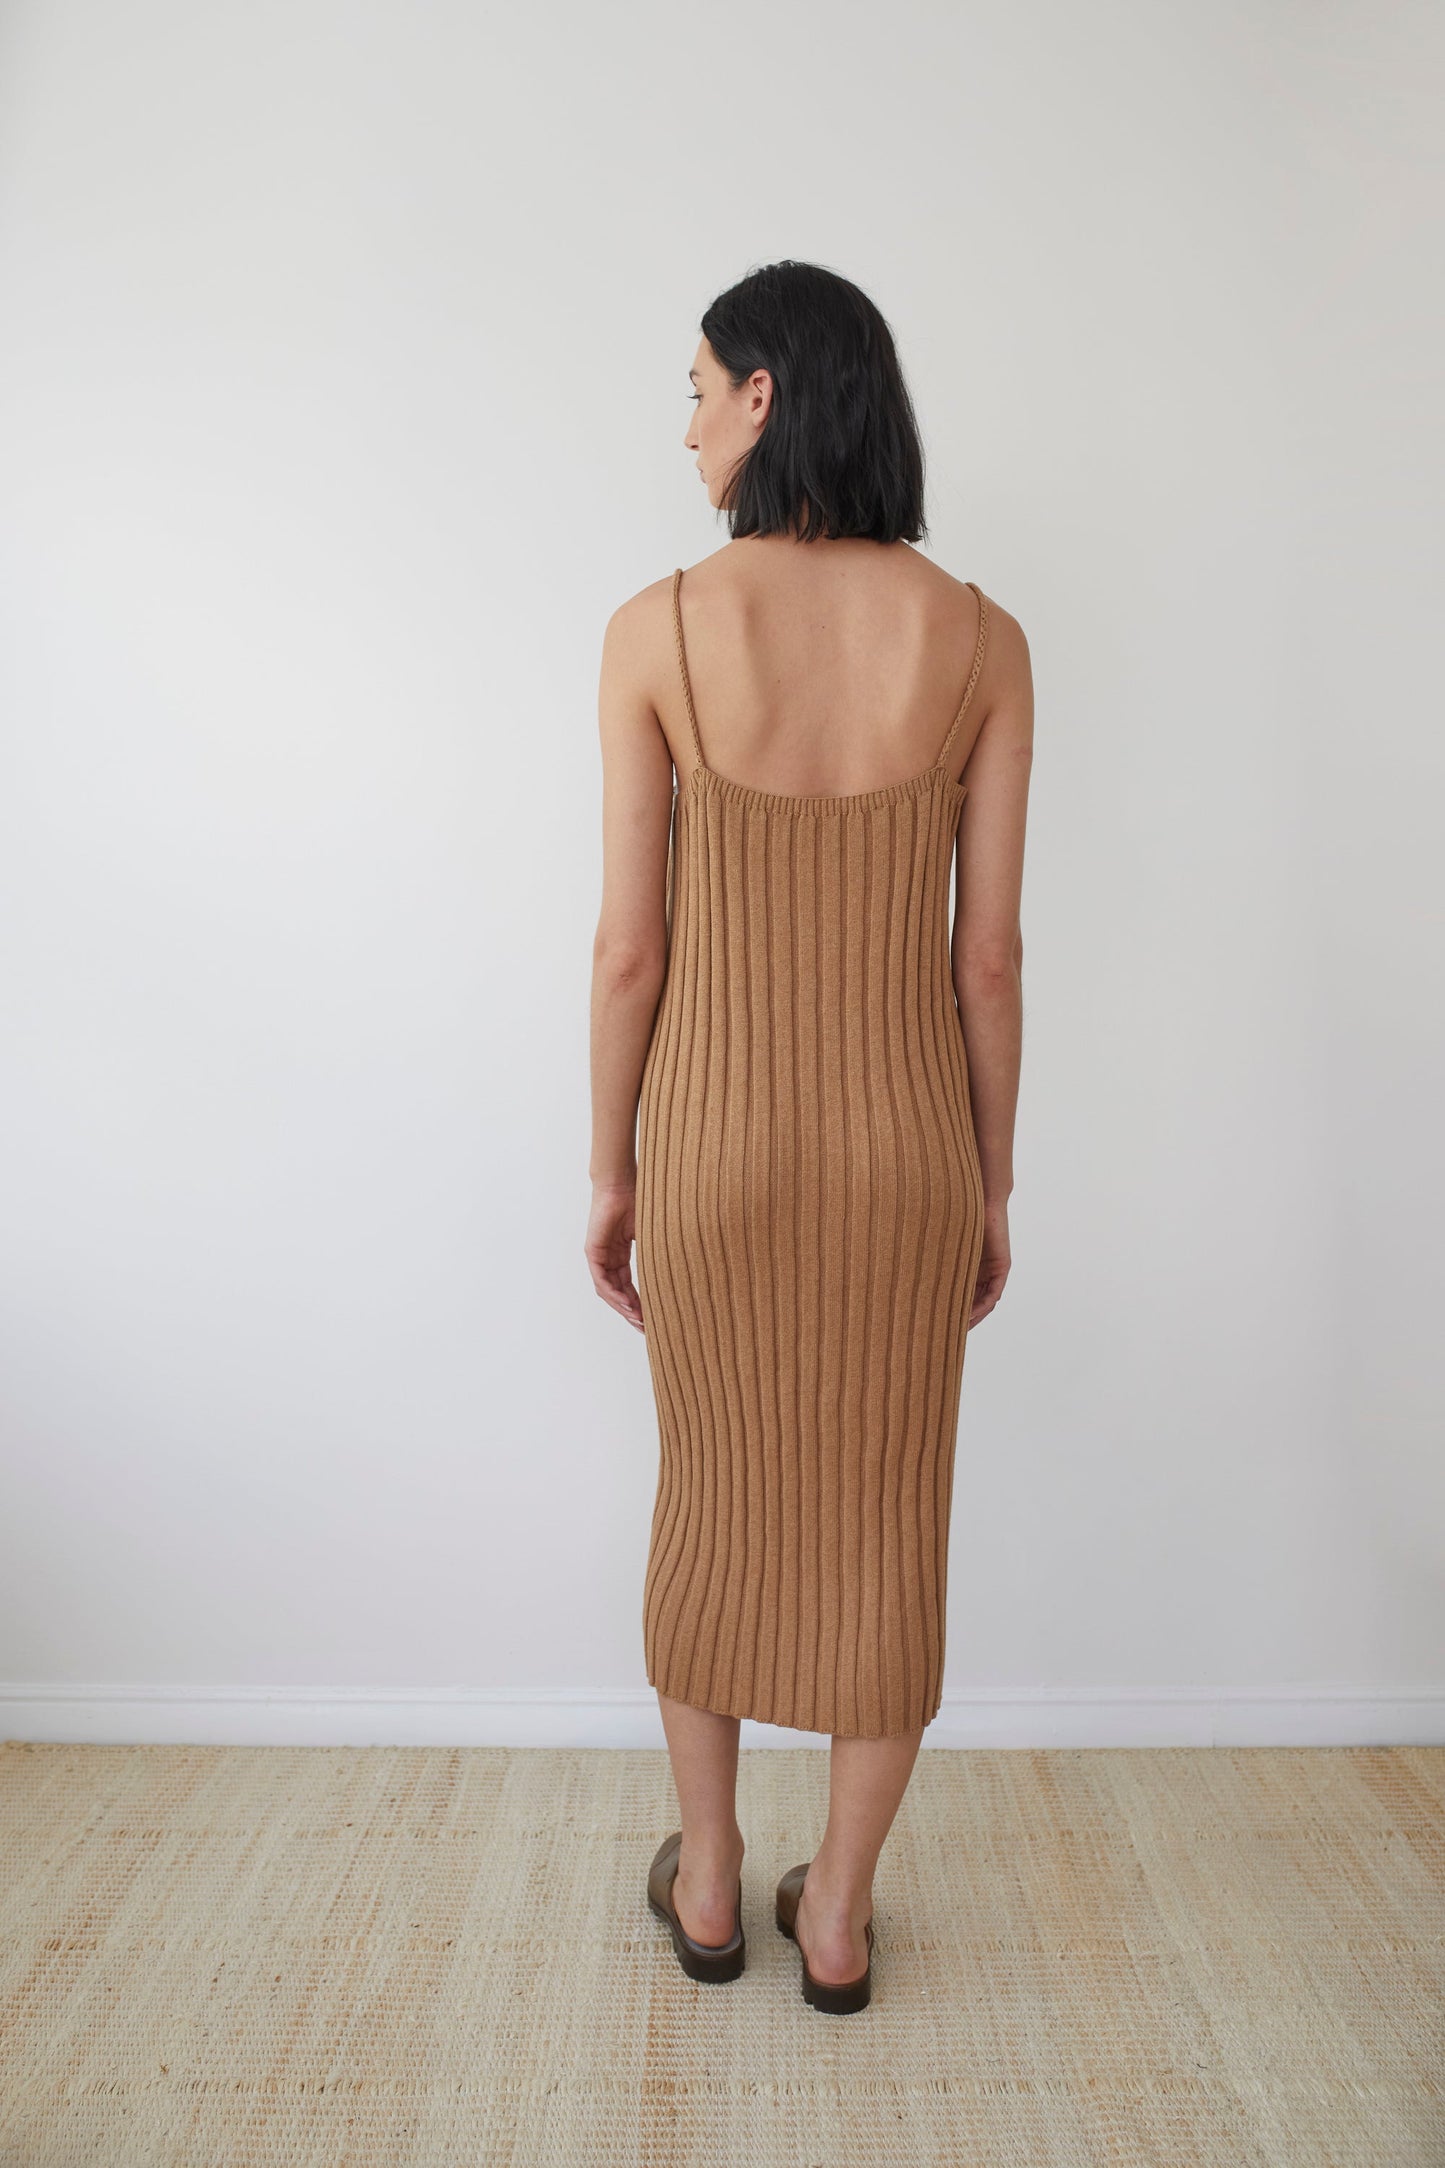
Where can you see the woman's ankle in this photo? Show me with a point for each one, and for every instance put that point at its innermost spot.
(713, 1851)
(837, 1896)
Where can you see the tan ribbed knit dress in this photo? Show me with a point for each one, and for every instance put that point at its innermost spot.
(809, 1227)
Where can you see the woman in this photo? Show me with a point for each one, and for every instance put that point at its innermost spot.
(798, 738)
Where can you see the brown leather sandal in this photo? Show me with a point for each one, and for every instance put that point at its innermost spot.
(699, 1960)
(837, 1996)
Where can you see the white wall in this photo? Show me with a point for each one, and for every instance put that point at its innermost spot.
(344, 388)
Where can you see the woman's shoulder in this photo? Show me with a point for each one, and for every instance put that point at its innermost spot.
(1005, 634)
(638, 617)
(638, 608)
(1006, 671)
(955, 593)
(952, 586)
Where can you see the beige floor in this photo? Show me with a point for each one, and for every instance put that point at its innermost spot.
(358, 1957)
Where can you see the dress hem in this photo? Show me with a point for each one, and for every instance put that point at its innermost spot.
(756, 1714)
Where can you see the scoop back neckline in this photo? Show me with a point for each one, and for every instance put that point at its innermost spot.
(822, 801)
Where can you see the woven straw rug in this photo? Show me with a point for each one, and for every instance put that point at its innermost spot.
(384, 1958)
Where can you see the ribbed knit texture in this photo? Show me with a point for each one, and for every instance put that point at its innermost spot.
(809, 1228)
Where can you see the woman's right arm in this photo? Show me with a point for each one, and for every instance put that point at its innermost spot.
(988, 946)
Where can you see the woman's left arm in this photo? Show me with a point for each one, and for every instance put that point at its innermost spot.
(629, 949)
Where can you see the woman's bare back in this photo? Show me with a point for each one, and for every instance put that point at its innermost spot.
(823, 668)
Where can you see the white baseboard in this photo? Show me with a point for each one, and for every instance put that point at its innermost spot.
(628, 1717)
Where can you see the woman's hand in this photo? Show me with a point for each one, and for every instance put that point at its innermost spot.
(611, 1227)
(993, 1267)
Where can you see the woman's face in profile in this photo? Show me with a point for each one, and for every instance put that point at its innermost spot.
(725, 423)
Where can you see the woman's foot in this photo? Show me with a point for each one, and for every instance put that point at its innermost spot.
(830, 1932)
(705, 1892)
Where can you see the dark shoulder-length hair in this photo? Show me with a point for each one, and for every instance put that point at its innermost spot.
(841, 438)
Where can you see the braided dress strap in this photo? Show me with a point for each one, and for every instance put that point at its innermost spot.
(973, 673)
(682, 663)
